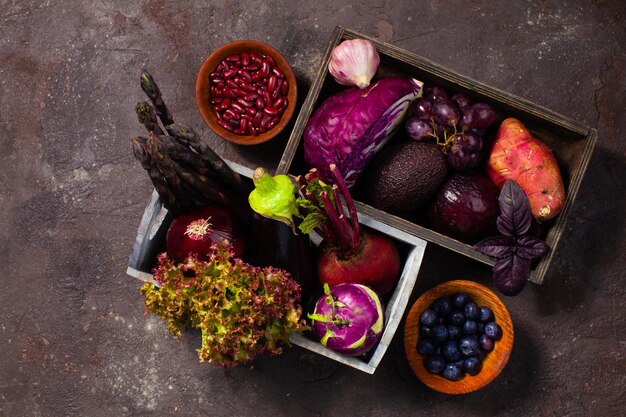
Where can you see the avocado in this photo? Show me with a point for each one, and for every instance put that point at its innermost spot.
(404, 176)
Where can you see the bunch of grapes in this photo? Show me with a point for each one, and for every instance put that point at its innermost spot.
(457, 124)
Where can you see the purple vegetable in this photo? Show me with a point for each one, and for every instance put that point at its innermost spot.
(514, 250)
(348, 319)
(351, 126)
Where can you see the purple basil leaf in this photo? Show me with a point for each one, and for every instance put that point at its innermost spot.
(498, 247)
(510, 274)
(515, 215)
(531, 248)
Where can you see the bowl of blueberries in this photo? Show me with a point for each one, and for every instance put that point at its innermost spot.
(458, 337)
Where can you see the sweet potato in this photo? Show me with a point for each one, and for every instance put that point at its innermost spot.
(517, 155)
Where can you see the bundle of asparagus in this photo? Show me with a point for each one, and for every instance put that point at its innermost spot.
(184, 170)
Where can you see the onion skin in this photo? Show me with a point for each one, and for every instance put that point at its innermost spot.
(376, 264)
(194, 232)
(357, 323)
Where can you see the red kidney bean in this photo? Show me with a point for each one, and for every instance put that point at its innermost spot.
(266, 120)
(278, 103)
(284, 88)
(234, 123)
(265, 69)
(225, 66)
(256, 120)
(216, 76)
(245, 75)
(232, 84)
(277, 71)
(243, 102)
(245, 58)
(230, 73)
(223, 105)
(275, 94)
(248, 87)
(240, 131)
(285, 103)
(271, 61)
(237, 108)
(229, 93)
(238, 81)
(271, 111)
(251, 97)
(267, 97)
(256, 58)
(271, 83)
(219, 115)
(233, 58)
(261, 129)
(251, 111)
(225, 125)
(259, 103)
(256, 77)
(216, 100)
(244, 124)
(239, 92)
(252, 68)
(252, 130)
(232, 114)
(273, 122)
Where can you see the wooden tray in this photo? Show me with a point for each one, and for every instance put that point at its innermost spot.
(150, 241)
(572, 142)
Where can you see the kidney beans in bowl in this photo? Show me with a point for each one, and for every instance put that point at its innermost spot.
(246, 92)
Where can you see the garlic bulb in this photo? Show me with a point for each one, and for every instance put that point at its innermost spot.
(354, 62)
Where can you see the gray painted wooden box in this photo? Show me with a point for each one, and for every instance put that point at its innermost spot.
(150, 241)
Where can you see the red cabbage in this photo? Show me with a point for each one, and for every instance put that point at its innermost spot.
(350, 127)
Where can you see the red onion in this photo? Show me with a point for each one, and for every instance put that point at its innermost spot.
(194, 233)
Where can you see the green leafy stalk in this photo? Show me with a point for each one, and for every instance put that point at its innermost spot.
(319, 207)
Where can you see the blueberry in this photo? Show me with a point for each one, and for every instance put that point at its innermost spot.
(469, 346)
(451, 351)
(485, 314)
(427, 331)
(428, 317)
(452, 372)
(471, 310)
(456, 317)
(470, 327)
(472, 365)
(454, 332)
(460, 299)
(442, 306)
(481, 328)
(426, 347)
(486, 343)
(434, 364)
(458, 363)
(440, 332)
(493, 330)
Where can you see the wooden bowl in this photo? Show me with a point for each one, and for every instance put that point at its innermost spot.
(203, 93)
(495, 360)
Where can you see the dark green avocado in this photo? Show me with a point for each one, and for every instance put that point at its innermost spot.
(404, 176)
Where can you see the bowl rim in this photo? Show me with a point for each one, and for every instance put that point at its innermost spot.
(493, 363)
(203, 95)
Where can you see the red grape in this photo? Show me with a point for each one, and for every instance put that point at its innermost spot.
(436, 94)
(485, 115)
(462, 99)
(418, 129)
(422, 108)
(447, 112)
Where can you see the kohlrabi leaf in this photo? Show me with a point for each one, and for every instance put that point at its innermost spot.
(531, 248)
(515, 214)
(498, 247)
(510, 274)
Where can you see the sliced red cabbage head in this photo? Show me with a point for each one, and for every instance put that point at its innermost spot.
(350, 127)
(349, 319)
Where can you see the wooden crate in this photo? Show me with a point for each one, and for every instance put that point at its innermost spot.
(571, 142)
(150, 241)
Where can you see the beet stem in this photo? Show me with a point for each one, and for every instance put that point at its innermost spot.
(356, 227)
(340, 227)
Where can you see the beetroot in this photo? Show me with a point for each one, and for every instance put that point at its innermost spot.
(194, 232)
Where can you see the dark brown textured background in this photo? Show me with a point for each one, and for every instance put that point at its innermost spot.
(73, 337)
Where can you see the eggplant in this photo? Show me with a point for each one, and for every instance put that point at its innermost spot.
(273, 243)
